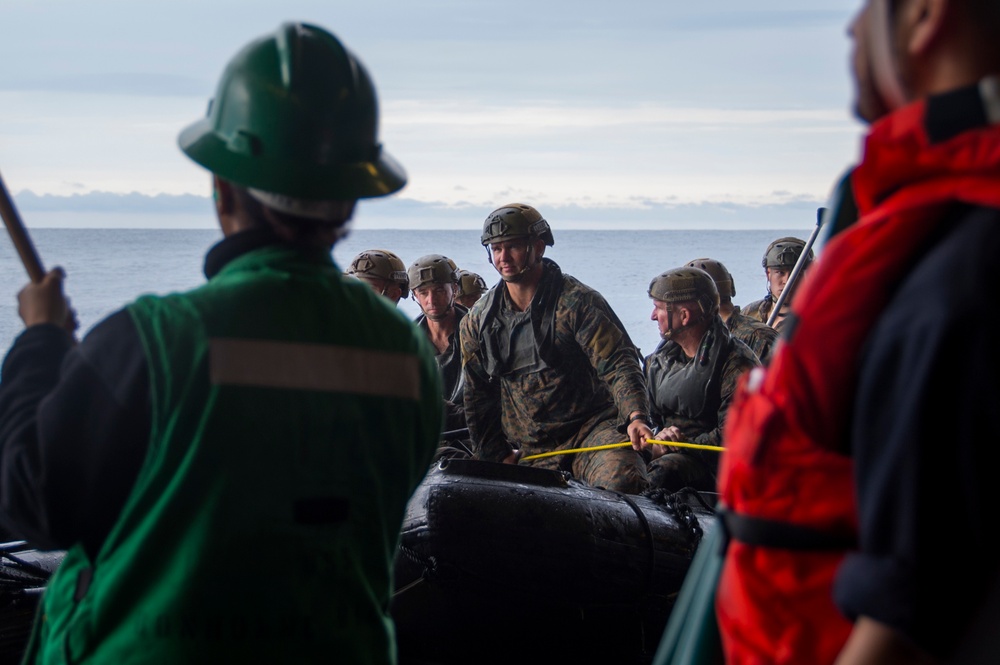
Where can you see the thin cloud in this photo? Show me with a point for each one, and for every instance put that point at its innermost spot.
(143, 84)
(463, 113)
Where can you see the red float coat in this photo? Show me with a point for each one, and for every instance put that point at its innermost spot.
(786, 438)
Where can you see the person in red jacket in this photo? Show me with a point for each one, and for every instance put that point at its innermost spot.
(857, 478)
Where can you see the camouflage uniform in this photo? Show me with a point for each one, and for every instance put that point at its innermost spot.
(699, 414)
(759, 336)
(761, 309)
(579, 394)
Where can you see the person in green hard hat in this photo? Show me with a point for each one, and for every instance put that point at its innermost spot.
(191, 433)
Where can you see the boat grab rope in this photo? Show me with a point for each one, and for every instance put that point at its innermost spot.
(676, 503)
(429, 567)
(609, 446)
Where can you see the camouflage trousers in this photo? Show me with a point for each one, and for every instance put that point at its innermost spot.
(675, 471)
(618, 469)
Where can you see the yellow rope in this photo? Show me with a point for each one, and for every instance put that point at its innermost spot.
(609, 446)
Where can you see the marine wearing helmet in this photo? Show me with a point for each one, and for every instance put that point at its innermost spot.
(784, 253)
(759, 336)
(434, 281)
(548, 364)
(471, 288)
(691, 376)
(686, 288)
(720, 275)
(383, 271)
(779, 259)
(511, 231)
(432, 269)
(514, 220)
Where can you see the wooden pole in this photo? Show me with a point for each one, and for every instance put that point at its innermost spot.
(19, 235)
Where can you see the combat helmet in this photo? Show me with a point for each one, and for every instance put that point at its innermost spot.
(469, 283)
(784, 253)
(684, 285)
(432, 269)
(723, 278)
(514, 220)
(380, 264)
(295, 115)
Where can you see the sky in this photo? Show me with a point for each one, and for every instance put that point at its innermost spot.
(642, 114)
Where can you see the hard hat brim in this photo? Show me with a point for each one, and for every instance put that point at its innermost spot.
(356, 180)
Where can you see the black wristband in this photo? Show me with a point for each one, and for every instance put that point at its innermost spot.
(638, 416)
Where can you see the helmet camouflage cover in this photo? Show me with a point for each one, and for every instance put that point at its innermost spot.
(784, 253)
(514, 220)
(469, 283)
(432, 269)
(380, 264)
(684, 285)
(723, 278)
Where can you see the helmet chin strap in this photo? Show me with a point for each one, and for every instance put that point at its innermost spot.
(884, 69)
(671, 332)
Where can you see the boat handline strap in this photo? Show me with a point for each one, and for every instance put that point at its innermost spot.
(648, 532)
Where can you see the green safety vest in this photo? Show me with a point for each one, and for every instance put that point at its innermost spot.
(293, 415)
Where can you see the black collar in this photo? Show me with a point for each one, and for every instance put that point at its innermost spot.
(236, 245)
(956, 111)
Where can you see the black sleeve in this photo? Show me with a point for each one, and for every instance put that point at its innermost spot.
(924, 438)
(74, 431)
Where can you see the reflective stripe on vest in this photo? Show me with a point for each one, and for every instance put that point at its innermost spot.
(321, 367)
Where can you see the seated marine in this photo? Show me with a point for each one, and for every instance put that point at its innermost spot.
(691, 377)
(779, 259)
(759, 336)
(548, 365)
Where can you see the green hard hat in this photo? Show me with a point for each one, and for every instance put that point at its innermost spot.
(723, 278)
(432, 269)
(295, 114)
(513, 220)
(784, 253)
(684, 285)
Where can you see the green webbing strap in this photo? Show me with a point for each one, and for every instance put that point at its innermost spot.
(691, 636)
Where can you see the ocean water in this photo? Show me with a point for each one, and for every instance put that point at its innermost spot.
(107, 268)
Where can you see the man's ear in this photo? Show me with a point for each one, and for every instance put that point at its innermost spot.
(222, 193)
(225, 205)
(685, 314)
(923, 22)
